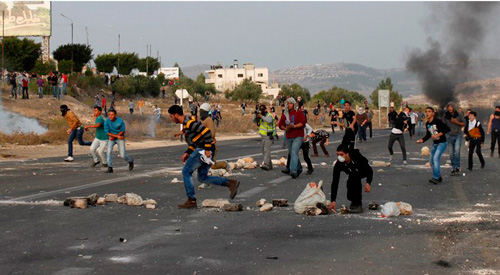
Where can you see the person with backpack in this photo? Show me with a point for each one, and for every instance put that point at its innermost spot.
(474, 133)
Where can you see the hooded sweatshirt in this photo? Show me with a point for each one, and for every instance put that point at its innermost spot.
(454, 129)
(358, 167)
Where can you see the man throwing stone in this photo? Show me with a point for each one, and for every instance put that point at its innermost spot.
(115, 128)
(197, 156)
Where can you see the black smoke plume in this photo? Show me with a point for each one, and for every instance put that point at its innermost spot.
(441, 68)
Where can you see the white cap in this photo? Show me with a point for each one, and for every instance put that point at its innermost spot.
(205, 107)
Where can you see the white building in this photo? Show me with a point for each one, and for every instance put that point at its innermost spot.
(226, 79)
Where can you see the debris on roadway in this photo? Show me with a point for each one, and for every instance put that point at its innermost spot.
(130, 199)
(425, 151)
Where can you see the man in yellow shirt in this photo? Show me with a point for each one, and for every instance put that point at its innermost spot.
(75, 130)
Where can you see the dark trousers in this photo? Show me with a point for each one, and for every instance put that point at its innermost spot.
(411, 129)
(305, 153)
(401, 140)
(362, 132)
(370, 126)
(354, 188)
(475, 143)
(333, 129)
(495, 137)
(322, 145)
(25, 93)
(77, 133)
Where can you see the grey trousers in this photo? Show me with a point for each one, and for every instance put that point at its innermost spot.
(401, 140)
(266, 151)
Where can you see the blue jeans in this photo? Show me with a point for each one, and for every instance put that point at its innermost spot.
(455, 142)
(420, 129)
(194, 162)
(20, 89)
(121, 150)
(60, 93)
(13, 91)
(54, 91)
(435, 158)
(40, 92)
(77, 133)
(362, 133)
(65, 88)
(294, 145)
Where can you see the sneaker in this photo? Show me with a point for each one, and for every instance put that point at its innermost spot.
(69, 159)
(131, 166)
(356, 208)
(434, 181)
(190, 203)
(309, 172)
(294, 175)
(405, 162)
(94, 164)
(109, 170)
(454, 172)
(482, 165)
(205, 186)
(265, 167)
(286, 171)
(390, 158)
(233, 188)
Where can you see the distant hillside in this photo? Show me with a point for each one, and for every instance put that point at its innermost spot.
(357, 77)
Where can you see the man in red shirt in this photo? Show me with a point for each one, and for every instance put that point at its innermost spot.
(103, 104)
(65, 84)
(293, 122)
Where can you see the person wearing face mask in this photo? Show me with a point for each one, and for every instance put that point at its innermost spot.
(76, 130)
(265, 122)
(357, 167)
(475, 134)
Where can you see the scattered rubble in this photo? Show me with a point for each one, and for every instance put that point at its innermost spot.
(131, 199)
(260, 202)
(425, 151)
(380, 171)
(111, 197)
(428, 164)
(233, 207)
(101, 201)
(377, 163)
(218, 203)
(280, 162)
(266, 207)
(280, 203)
(404, 208)
(175, 180)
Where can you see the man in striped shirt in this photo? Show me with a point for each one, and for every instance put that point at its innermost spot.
(200, 142)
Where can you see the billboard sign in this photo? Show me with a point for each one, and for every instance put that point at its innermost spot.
(170, 73)
(26, 18)
(383, 98)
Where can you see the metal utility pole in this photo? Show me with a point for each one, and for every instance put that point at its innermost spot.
(3, 37)
(147, 59)
(71, 40)
(87, 31)
(118, 61)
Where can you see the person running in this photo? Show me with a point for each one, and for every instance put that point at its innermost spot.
(475, 134)
(421, 116)
(455, 121)
(320, 136)
(357, 167)
(114, 127)
(334, 116)
(75, 130)
(131, 107)
(494, 129)
(98, 146)
(397, 134)
(265, 122)
(197, 157)
(293, 121)
(436, 129)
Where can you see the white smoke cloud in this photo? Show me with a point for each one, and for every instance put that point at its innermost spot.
(11, 123)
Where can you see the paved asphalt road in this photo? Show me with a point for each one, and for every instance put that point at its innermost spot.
(454, 228)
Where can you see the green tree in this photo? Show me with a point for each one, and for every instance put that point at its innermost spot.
(294, 91)
(138, 85)
(64, 66)
(200, 78)
(82, 54)
(161, 79)
(128, 61)
(44, 68)
(335, 94)
(21, 54)
(394, 96)
(105, 62)
(181, 74)
(153, 65)
(247, 90)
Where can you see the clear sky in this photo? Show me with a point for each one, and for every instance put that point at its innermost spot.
(270, 34)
